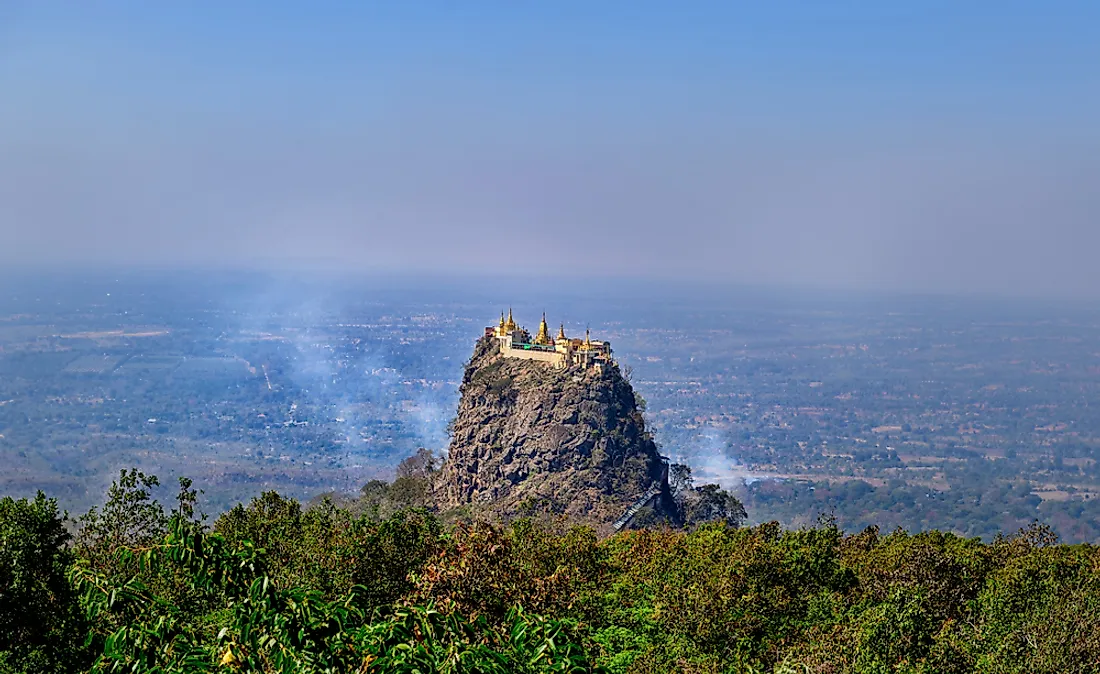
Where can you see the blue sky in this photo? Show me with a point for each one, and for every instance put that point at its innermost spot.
(918, 146)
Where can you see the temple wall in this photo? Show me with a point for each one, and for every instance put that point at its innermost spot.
(552, 357)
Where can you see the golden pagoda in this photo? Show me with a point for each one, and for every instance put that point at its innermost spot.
(559, 352)
(543, 337)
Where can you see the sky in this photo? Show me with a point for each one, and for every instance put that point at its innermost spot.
(922, 146)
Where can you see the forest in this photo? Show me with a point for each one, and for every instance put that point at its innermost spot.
(373, 586)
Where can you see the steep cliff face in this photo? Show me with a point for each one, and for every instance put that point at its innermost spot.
(531, 438)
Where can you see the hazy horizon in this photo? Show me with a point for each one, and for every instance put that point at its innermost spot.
(939, 149)
(528, 293)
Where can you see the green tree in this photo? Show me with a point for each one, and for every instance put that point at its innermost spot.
(130, 517)
(711, 503)
(40, 624)
(331, 549)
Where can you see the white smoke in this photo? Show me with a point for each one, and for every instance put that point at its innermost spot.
(711, 457)
(343, 370)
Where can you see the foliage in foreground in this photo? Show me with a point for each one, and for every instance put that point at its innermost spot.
(262, 628)
(273, 587)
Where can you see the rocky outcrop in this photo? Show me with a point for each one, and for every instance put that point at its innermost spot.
(529, 438)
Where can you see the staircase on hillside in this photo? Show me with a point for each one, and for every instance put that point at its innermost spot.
(636, 506)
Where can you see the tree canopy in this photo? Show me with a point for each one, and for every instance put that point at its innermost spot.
(274, 586)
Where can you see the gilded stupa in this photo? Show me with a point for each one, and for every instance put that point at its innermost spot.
(543, 337)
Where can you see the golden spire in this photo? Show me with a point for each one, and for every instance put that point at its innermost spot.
(501, 326)
(544, 332)
(561, 333)
(587, 340)
(511, 324)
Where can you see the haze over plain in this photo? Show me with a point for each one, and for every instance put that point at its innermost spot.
(933, 148)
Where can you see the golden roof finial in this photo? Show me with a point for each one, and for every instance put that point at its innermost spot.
(511, 324)
(561, 332)
(501, 326)
(587, 340)
(544, 332)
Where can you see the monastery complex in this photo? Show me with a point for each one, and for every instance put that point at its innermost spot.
(560, 351)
